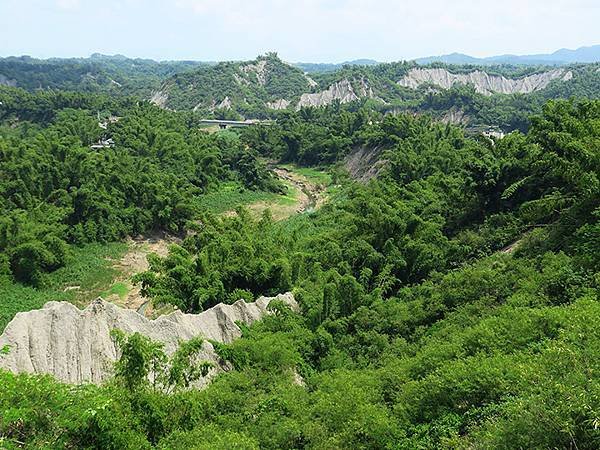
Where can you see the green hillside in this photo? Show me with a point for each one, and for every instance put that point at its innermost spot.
(450, 302)
(232, 90)
(262, 88)
(99, 73)
(247, 86)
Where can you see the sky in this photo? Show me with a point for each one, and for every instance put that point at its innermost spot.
(300, 31)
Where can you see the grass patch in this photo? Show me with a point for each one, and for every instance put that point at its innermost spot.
(290, 197)
(312, 174)
(231, 195)
(119, 289)
(16, 298)
(88, 272)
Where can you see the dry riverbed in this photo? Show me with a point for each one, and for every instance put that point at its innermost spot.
(304, 195)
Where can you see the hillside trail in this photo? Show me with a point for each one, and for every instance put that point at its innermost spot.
(124, 292)
(517, 243)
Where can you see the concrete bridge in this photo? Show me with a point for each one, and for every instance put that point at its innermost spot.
(235, 123)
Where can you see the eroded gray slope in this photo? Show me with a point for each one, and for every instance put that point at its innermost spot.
(342, 91)
(483, 82)
(75, 345)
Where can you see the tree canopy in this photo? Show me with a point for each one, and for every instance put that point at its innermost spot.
(449, 303)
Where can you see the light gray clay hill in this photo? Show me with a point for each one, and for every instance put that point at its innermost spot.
(75, 346)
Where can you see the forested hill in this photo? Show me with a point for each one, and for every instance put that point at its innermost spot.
(248, 85)
(100, 73)
(452, 302)
(477, 97)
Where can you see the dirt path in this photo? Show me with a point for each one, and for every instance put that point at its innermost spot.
(123, 291)
(511, 247)
(309, 193)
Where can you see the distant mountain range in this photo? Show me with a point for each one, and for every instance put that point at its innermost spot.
(563, 56)
(260, 88)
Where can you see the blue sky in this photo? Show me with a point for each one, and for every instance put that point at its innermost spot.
(301, 30)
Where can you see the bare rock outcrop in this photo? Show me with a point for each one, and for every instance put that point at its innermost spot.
(483, 82)
(455, 116)
(75, 346)
(225, 103)
(281, 103)
(342, 91)
(312, 83)
(159, 98)
(364, 163)
(5, 81)
(240, 80)
(259, 69)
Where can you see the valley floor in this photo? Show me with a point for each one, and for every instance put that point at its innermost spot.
(106, 270)
(305, 194)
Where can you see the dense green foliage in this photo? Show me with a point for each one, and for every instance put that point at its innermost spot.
(312, 136)
(247, 94)
(248, 86)
(57, 189)
(116, 75)
(451, 303)
(143, 364)
(41, 108)
(444, 200)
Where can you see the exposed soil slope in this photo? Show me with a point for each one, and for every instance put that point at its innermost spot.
(75, 345)
(483, 82)
(125, 293)
(364, 163)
